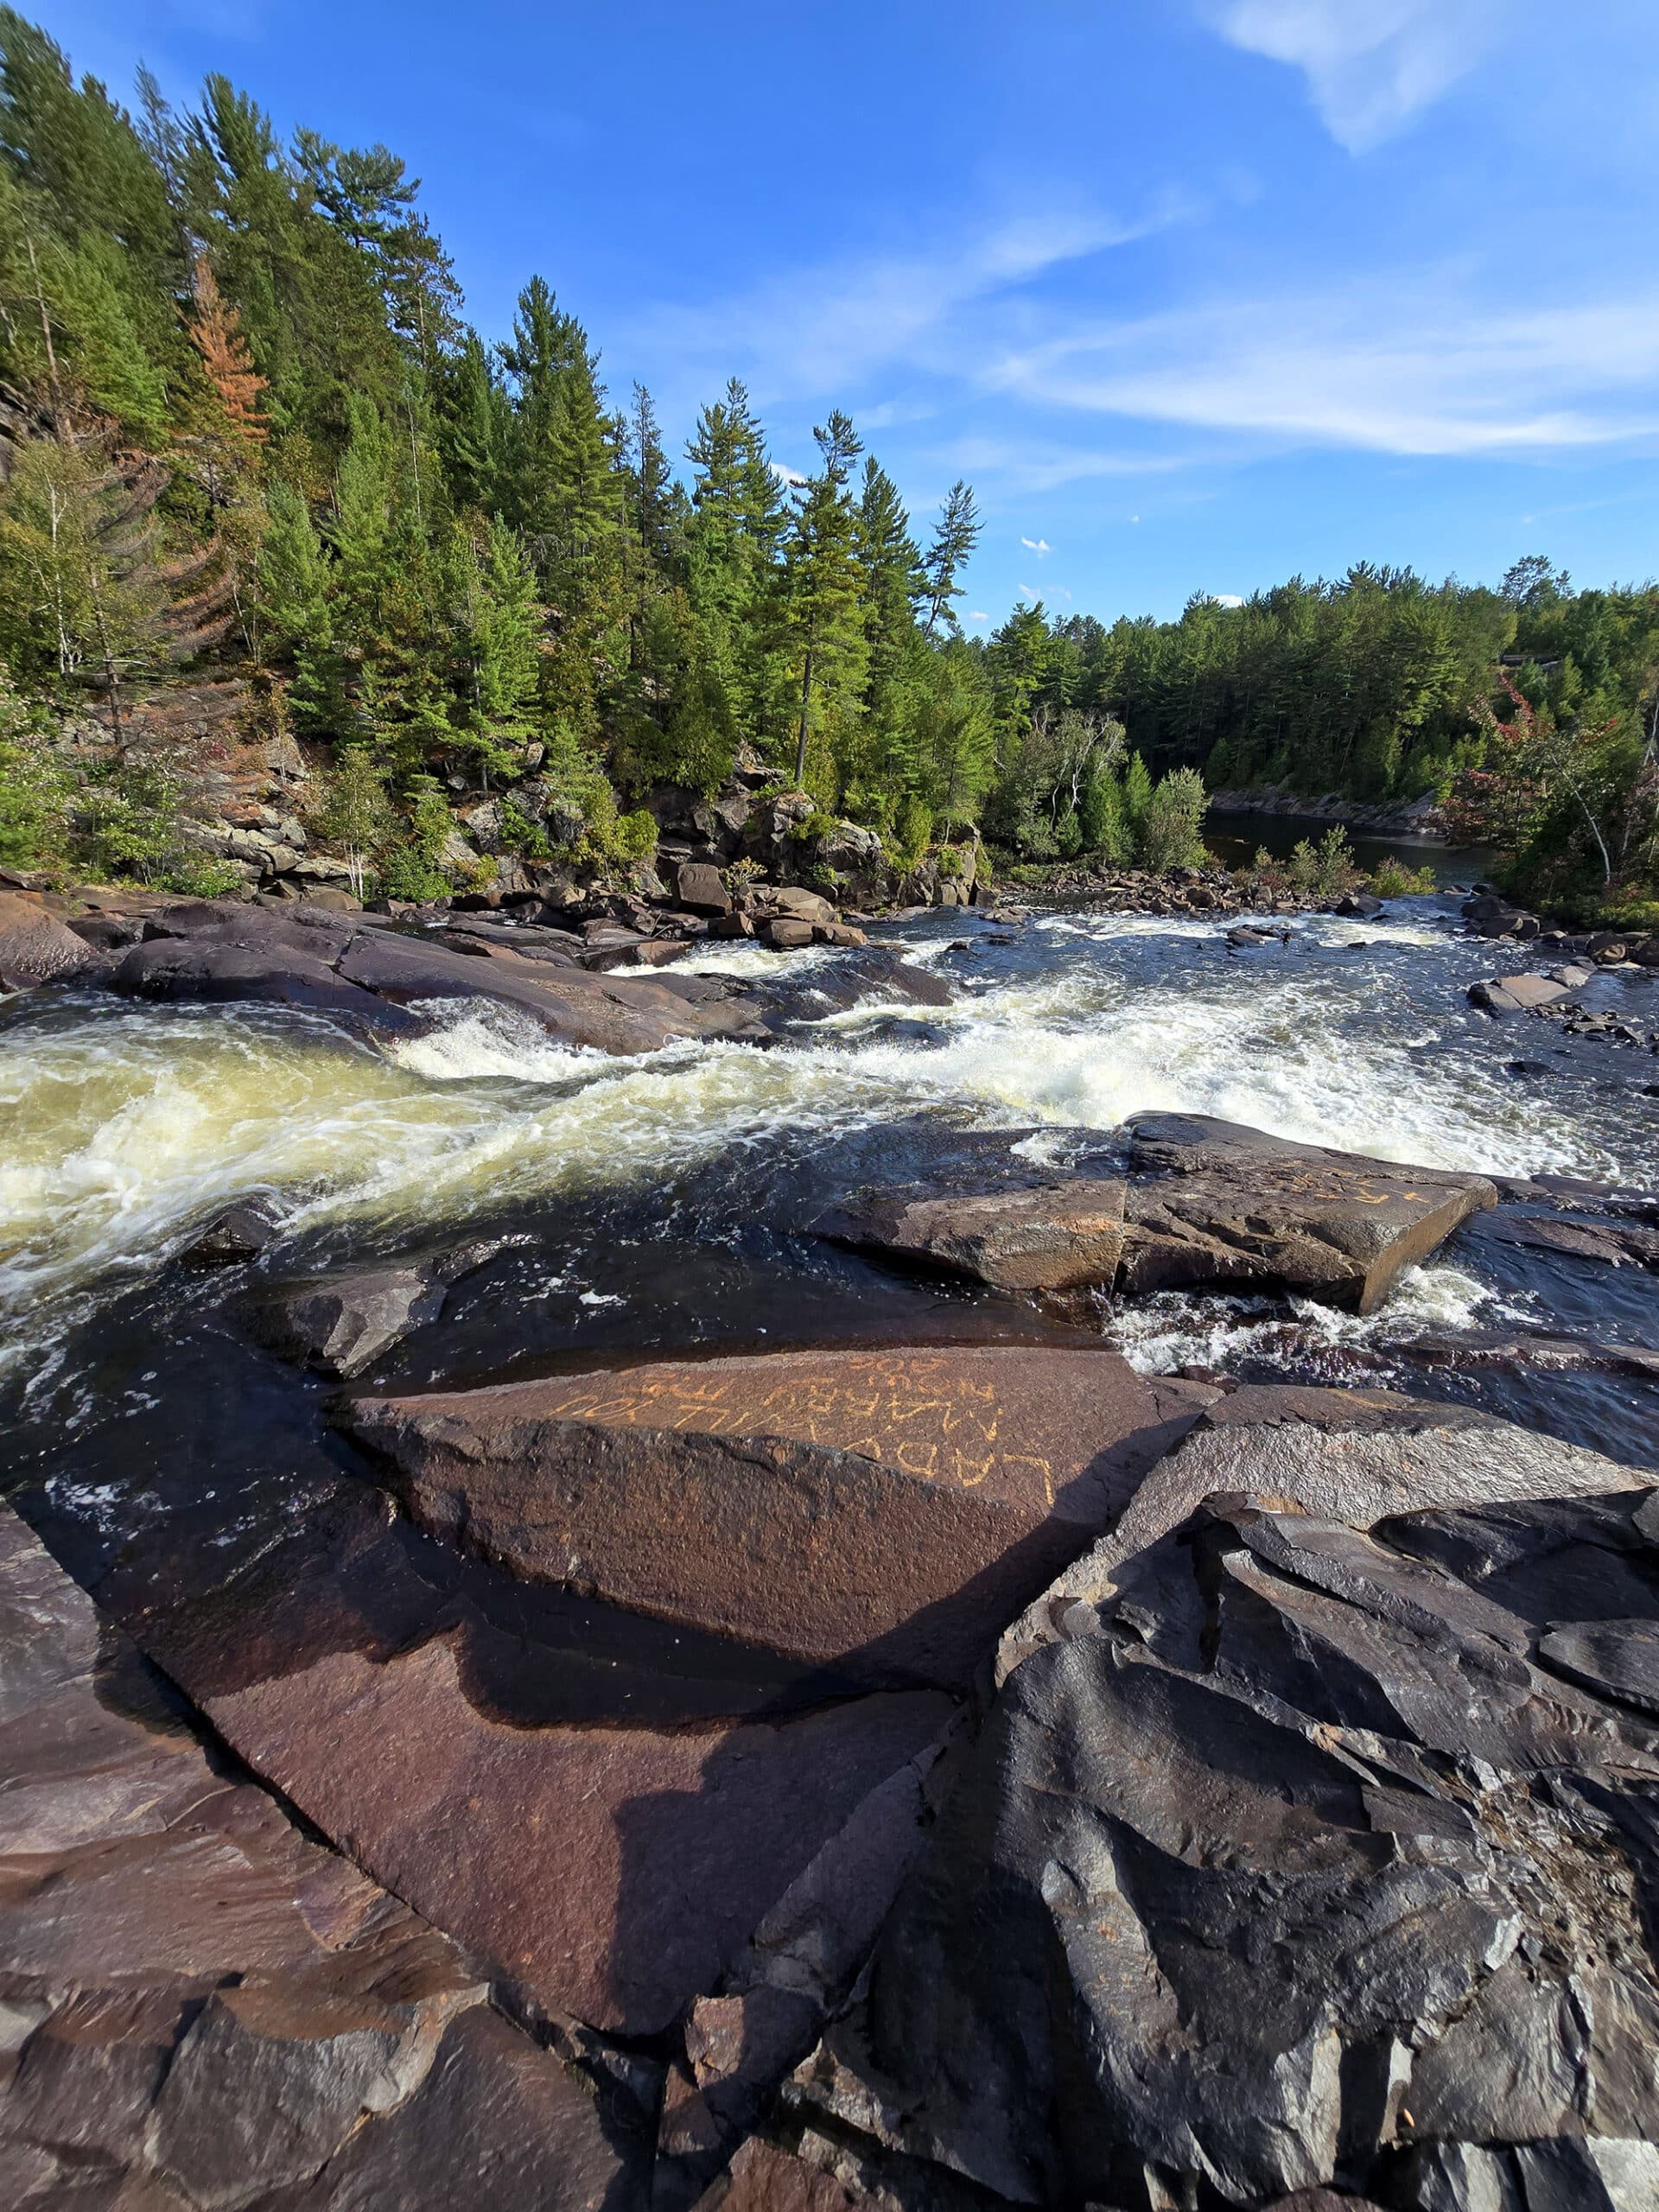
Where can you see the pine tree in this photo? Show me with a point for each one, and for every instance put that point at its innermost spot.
(822, 585)
(953, 543)
(474, 428)
(216, 333)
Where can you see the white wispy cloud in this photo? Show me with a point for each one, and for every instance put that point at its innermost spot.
(1427, 363)
(1370, 64)
(826, 329)
(979, 615)
(1039, 546)
(1228, 599)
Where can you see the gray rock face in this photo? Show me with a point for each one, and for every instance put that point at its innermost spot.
(1517, 994)
(1355, 1456)
(1215, 1203)
(343, 1324)
(1301, 1864)
(1052, 1237)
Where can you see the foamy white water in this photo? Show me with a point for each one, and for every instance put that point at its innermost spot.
(126, 1129)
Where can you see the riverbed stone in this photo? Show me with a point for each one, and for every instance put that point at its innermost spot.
(241, 1232)
(36, 947)
(1306, 1870)
(1215, 1205)
(1520, 993)
(888, 1512)
(1048, 1238)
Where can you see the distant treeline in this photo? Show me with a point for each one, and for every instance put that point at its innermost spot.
(252, 442)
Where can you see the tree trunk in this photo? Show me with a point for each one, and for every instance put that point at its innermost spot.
(806, 709)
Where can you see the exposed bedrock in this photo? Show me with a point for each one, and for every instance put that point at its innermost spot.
(1354, 1456)
(341, 964)
(602, 1810)
(1314, 1857)
(1195, 1203)
(36, 947)
(200, 2006)
(886, 1512)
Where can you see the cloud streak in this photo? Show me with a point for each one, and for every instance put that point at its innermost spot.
(1370, 64)
(1412, 367)
(825, 330)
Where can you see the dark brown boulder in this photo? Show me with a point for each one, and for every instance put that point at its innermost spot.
(207, 2008)
(374, 974)
(1215, 1205)
(763, 2179)
(36, 947)
(1047, 1238)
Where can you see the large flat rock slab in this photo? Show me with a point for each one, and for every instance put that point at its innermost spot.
(601, 1809)
(889, 1511)
(1306, 1864)
(1214, 1205)
(202, 2005)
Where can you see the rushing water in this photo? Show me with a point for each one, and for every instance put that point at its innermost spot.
(667, 1200)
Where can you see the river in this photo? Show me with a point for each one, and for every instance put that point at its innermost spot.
(667, 1201)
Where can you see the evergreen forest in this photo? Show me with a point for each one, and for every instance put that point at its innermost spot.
(264, 481)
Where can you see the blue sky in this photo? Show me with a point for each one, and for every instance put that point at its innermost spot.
(1199, 294)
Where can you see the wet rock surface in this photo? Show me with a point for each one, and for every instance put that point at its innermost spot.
(1050, 1238)
(341, 964)
(886, 1512)
(1215, 1205)
(203, 2007)
(1302, 1862)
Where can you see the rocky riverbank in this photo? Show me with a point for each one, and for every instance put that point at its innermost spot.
(921, 1775)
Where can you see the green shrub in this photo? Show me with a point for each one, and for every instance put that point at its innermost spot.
(1392, 879)
(1171, 832)
(1326, 870)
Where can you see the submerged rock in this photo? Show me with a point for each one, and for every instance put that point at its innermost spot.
(886, 1512)
(1049, 1238)
(1302, 1864)
(1213, 1205)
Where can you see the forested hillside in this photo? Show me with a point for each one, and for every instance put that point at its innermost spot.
(265, 485)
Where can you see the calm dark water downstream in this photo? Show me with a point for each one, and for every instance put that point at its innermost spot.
(666, 1203)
